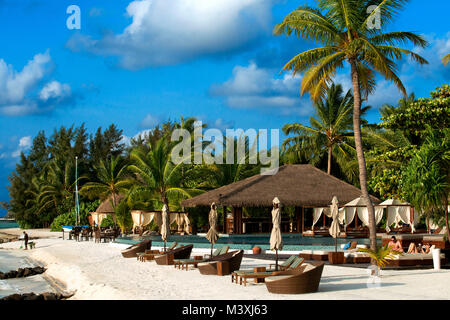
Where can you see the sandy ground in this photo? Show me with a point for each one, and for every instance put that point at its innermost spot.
(98, 271)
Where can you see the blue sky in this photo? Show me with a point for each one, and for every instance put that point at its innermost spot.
(136, 63)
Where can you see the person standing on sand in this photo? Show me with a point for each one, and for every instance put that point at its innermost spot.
(25, 238)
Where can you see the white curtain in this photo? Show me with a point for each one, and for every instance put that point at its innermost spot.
(397, 214)
(363, 215)
(97, 218)
(141, 218)
(404, 213)
(350, 215)
(186, 223)
(317, 215)
(342, 215)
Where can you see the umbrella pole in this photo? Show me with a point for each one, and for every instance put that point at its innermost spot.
(212, 244)
(164, 245)
(276, 259)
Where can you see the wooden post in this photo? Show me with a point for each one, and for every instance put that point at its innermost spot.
(345, 220)
(224, 209)
(303, 219)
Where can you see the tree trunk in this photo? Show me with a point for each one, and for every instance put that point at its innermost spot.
(330, 149)
(360, 153)
(446, 218)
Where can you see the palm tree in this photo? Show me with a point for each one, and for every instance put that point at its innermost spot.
(344, 29)
(113, 178)
(329, 132)
(56, 184)
(446, 59)
(387, 110)
(156, 174)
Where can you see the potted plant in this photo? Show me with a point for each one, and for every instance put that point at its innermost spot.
(381, 256)
(256, 250)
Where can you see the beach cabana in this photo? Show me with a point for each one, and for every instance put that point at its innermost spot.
(143, 218)
(398, 211)
(301, 186)
(356, 211)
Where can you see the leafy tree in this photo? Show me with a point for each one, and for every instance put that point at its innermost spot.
(343, 28)
(414, 118)
(425, 180)
(105, 145)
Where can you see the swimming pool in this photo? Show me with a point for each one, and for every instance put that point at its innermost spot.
(292, 242)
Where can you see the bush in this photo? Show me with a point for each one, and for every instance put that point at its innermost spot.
(68, 218)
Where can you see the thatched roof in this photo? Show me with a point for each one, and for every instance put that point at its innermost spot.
(106, 206)
(294, 185)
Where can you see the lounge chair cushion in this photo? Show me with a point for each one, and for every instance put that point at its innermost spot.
(321, 252)
(274, 278)
(308, 267)
(306, 251)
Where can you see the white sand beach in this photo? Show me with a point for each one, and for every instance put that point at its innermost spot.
(98, 271)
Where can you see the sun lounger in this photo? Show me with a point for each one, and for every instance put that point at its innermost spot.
(306, 254)
(243, 275)
(295, 282)
(319, 255)
(178, 253)
(222, 265)
(181, 263)
(131, 252)
(150, 254)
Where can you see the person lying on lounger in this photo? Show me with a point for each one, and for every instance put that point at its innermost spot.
(394, 244)
(418, 249)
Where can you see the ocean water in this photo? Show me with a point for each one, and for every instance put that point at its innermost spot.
(8, 224)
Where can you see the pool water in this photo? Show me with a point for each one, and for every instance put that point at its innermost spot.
(6, 224)
(292, 242)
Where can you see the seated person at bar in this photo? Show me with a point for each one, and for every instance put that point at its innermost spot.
(394, 244)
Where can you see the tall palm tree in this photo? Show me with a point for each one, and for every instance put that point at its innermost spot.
(113, 178)
(329, 132)
(446, 59)
(345, 30)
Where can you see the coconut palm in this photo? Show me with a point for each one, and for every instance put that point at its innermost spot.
(156, 174)
(56, 184)
(113, 178)
(345, 30)
(446, 59)
(330, 131)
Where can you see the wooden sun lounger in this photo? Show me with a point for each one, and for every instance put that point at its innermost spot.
(259, 276)
(181, 263)
(131, 252)
(149, 255)
(178, 253)
(223, 265)
(294, 282)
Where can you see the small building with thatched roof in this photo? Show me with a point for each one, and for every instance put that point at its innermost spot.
(106, 207)
(299, 186)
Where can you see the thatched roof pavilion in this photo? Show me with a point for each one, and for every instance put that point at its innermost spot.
(106, 206)
(295, 185)
(301, 186)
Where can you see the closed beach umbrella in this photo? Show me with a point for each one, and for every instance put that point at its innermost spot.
(165, 228)
(212, 234)
(334, 229)
(276, 242)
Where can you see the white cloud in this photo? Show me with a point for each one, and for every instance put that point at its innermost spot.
(17, 88)
(24, 144)
(54, 89)
(254, 87)
(168, 32)
(14, 85)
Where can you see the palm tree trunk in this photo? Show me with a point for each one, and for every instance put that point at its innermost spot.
(330, 149)
(360, 153)
(446, 217)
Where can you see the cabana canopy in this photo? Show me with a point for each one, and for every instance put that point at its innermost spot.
(144, 218)
(295, 185)
(358, 206)
(399, 211)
